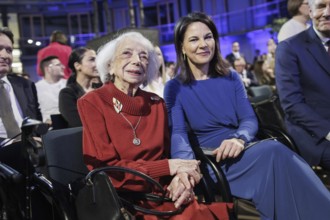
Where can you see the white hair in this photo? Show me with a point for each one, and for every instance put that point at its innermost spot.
(107, 52)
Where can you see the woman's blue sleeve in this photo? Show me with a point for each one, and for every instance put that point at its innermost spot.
(248, 123)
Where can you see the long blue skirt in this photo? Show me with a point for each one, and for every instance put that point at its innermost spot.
(279, 182)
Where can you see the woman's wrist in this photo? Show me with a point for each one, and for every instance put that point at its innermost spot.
(172, 167)
(242, 142)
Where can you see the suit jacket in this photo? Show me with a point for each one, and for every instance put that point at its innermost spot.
(68, 104)
(303, 77)
(26, 95)
(231, 58)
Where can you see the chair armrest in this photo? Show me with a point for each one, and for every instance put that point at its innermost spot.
(270, 131)
(223, 189)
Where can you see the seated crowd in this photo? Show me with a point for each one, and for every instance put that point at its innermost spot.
(140, 112)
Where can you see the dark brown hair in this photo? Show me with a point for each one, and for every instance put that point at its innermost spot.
(59, 37)
(218, 66)
(6, 31)
(293, 6)
(46, 61)
(76, 55)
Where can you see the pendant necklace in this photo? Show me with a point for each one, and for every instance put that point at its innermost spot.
(136, 140)
(118, 106)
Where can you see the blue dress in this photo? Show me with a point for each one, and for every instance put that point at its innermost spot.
(279, 182)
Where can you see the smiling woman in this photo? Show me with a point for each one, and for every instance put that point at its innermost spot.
(212, 110)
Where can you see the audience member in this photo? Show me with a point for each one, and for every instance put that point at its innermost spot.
(299, 11)
(57, 47)
(247, 77)
(235, 53)
(84, 73)
(302, 78)
(169, 69)
(20, 94)
(18, 100)
(157, 84)
(50, 86)
(268, 64)
(208, 99)
(257, 56)
(258, 72)
(126, 126)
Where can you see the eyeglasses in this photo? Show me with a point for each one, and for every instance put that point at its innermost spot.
(57, 64)
(130, 53)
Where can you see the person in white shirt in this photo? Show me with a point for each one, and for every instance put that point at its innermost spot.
(299, 10)
(157, 84)
(49, 87)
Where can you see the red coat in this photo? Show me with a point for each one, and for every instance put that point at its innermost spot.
(55, 49)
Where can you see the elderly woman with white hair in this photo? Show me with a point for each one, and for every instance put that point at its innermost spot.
(126, 126)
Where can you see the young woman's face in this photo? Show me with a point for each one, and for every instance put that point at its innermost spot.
(130, 63)
(88, 65)
(198, 44)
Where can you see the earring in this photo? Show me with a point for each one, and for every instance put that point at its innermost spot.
(184, 56)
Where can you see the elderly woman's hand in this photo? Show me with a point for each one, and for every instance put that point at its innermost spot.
(229, 148)
(178, 192)
(189, 167)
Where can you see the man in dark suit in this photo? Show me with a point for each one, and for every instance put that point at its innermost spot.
(302, 68)
(22, 92)
(235, 53)
(19, 97)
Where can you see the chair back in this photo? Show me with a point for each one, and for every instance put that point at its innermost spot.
(63, 151)
(260, 93)
(272, 123)
(58, 122)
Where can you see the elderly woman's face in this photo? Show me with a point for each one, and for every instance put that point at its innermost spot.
(130, 63)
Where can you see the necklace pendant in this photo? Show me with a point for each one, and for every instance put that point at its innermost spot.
(136, 141)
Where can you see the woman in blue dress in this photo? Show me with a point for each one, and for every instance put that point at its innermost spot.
(209, 99)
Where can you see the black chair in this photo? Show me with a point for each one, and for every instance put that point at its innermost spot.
(10, 207)
(64, 165)
(63, 151)
(25, 192)
(271, 120)
(243, 209)
(58, 122)
(270, 112)
(260, 93)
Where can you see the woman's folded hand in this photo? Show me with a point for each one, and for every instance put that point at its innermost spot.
(190, 167)
(178, 192)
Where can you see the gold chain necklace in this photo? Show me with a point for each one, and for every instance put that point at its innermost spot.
(136, 140)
